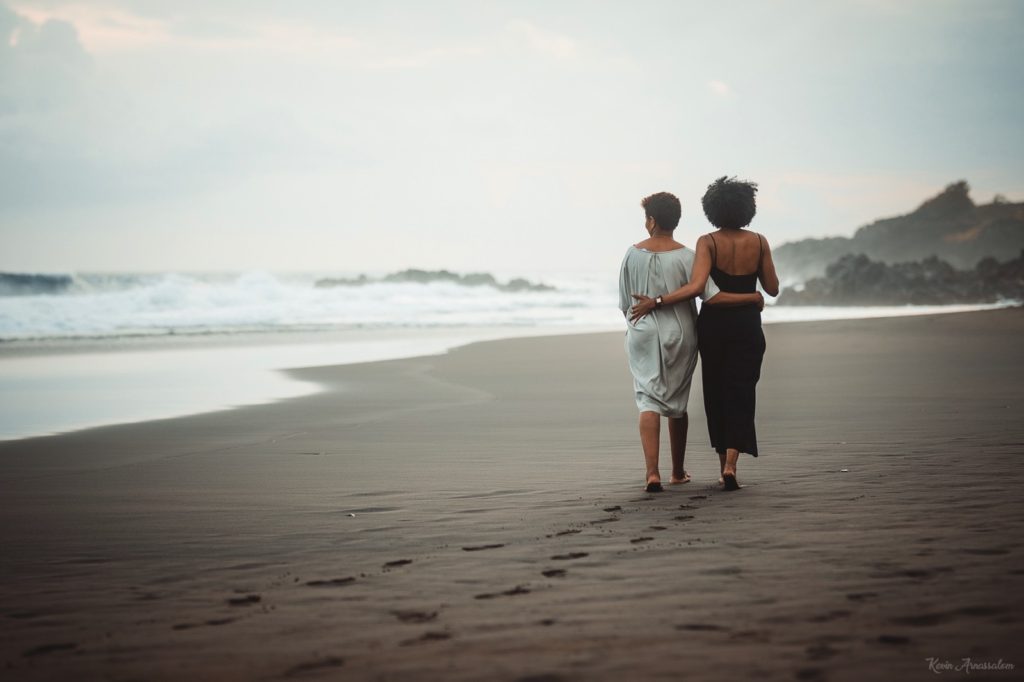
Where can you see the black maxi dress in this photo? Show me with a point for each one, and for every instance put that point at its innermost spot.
(731, 345)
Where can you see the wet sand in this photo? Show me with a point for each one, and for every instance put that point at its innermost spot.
(480, 515)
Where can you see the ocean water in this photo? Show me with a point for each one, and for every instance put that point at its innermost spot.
(109, 306)
(78, 351)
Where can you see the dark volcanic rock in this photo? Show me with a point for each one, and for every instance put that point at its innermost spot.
(473, 279)
(858, 280)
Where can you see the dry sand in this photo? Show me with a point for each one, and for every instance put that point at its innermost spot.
(479, 516)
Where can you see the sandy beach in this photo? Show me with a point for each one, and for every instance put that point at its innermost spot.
(480, 516)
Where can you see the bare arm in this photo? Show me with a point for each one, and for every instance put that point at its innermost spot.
(698, 276)
(769, 279)
(727, 298)
(698, 280)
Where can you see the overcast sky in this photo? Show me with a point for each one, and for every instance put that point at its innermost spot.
(511, 136)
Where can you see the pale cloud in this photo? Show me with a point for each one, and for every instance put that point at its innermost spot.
(296, 38)
(104, 29)
(101, 29)
(423, 58)
(719, 88)
(41, 67)
(544, 41)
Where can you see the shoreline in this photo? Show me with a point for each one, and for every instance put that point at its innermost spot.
(480, 514)
(262, 360)
(193, 375)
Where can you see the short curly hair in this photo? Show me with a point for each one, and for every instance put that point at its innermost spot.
(730, 203)
(664, 208)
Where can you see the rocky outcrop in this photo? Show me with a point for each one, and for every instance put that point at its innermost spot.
(858, 280)
(949, 226)
(427, 276)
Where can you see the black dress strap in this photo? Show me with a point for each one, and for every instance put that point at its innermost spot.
(714, 251)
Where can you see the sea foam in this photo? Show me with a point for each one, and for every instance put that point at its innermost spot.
(181, 304)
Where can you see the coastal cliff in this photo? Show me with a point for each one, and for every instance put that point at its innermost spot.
(949, 226)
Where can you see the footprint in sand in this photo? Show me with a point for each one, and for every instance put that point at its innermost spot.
(44, 649)
(610, 519)
(829, 616)
(636, 541)
(683, 517)
(570, 555)
(613, 509)
(893, 639)
(861, 596)
(554, 573)
(398, 562)
(915, 573)
(518, 589)
(698, 497)
(329, 662)
(415, 616)
(982, 610)
(427, 637)
(565, 532)
(922, 620)
(700, 627)
(247, 600)
(331, 582)
(479, 548)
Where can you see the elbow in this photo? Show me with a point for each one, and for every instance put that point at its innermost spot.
(772, 291)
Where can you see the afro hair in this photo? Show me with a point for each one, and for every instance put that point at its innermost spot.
(730, 203)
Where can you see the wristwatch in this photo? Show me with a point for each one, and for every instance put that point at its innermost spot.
(658, 302)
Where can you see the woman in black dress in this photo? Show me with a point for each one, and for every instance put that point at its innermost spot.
(730, 339)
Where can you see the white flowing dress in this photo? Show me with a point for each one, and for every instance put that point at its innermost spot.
(661, 346)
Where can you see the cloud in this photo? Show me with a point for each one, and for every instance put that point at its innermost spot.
(719, 88)
(544, 41)
(101, 29)
(41, 64)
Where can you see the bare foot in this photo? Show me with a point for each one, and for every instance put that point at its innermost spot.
(729, 478)
(653, 483)
(675, 480)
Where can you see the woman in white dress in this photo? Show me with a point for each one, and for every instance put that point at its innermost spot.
(662, 346)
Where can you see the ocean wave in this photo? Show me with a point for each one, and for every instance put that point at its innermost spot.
(25, 284)
(172, 304)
